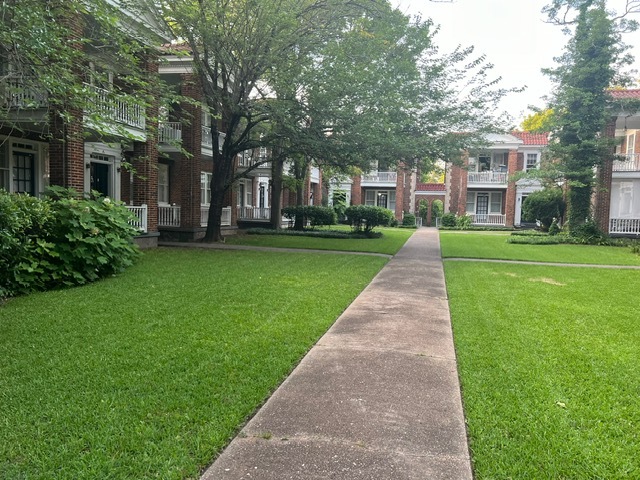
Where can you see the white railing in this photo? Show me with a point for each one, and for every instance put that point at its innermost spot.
(116, 108)
(624, 225)
(487, 218)
(380, 177)
(628, 162)
(141, 217)
(169, 132)
(225, 220)
(488, 177)
(168, 215)
(22, 93)
(254, 213)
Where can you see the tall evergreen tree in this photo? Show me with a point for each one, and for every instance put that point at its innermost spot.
(586, 70)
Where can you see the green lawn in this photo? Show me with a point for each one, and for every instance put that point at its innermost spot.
(391, 241)
(149, 374)
(494, 245)
(549, 367)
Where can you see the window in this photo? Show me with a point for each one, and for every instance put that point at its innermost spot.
(495, 206)
(381, 198)
(163, 183)
(205, 188)
(370, 197)
(631, 144)
(471, 202)
(484, 163)
(532, 161)
(249, 190)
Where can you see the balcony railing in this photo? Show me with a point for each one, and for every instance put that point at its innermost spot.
(498, 178)
(115, 107)
(22, 93)
(628, 162)
(204, 216)
(247, 161)
(487, 219)
(169, 132)
(140, 212)
(627, 226)
(380, 177)
(168, 215)
(254, 213)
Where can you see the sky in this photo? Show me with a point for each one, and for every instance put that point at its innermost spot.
(513, 36)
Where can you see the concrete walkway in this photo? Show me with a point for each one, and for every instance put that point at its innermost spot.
(377, 398)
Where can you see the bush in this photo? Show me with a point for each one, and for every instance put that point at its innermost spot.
(554, 229)
(588, 233)
(409, 220)
(61, 240)
(544, 206)
(449, 220)
(366, 218)
(315, 215)
(463, 222)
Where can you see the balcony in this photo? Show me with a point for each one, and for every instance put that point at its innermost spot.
(22, 93)
(628, 162)
(379, 178)
(487, 178)
(110, 106)
(494, 219)
(246, 161)
(169, 132)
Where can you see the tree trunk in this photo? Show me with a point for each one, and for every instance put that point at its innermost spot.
(277, 167)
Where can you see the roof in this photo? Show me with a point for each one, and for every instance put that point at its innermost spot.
(621, 94)
(431, 187)
(529, 138)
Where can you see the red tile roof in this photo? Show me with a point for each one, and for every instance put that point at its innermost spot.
(532, 138)
(630, 93)
(430, 187)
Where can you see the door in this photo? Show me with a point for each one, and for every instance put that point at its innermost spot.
(482, 208)
(382, 200)
(100, 178)
(24, 173)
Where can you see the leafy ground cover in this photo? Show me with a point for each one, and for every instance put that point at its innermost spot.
(390, 242)
(148, 374)
(549, 367)
(494, 245)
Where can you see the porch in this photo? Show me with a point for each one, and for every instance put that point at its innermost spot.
(627, 162)
(624, 226)
(488, 219)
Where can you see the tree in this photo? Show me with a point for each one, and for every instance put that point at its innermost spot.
(538, 122)
(585, 71)
(55, 54)
(545, 206)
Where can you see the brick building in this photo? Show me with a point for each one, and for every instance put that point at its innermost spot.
(483, 187)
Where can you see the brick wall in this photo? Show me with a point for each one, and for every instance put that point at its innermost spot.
(514, 160)
(356, 191)
(602, 193)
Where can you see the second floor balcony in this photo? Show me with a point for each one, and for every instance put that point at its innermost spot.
(627, 162)
(379, 178)
(489, 177)
(22, 93)
(111, 106)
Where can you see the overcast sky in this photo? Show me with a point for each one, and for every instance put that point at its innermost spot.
(512, 34)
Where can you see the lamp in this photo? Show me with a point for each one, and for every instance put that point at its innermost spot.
(87, 165)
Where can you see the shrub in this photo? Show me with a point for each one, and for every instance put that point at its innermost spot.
(544, 205)
(588, 233)
(554, 229)
(366, 218)
(463, 222)
(409, 220)
(61, 240)
(449, 220)
(315, 215)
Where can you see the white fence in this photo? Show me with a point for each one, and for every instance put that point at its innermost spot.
(141, 217)
(225, 221)
(169, 132)
(254, 213)
(488, 177)
(168, 215)
(487, 219)
(624, 226)
(629, 163)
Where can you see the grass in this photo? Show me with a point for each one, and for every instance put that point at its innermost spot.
(391, 241)
(549, 367)
(494, 245)
(149, 374)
